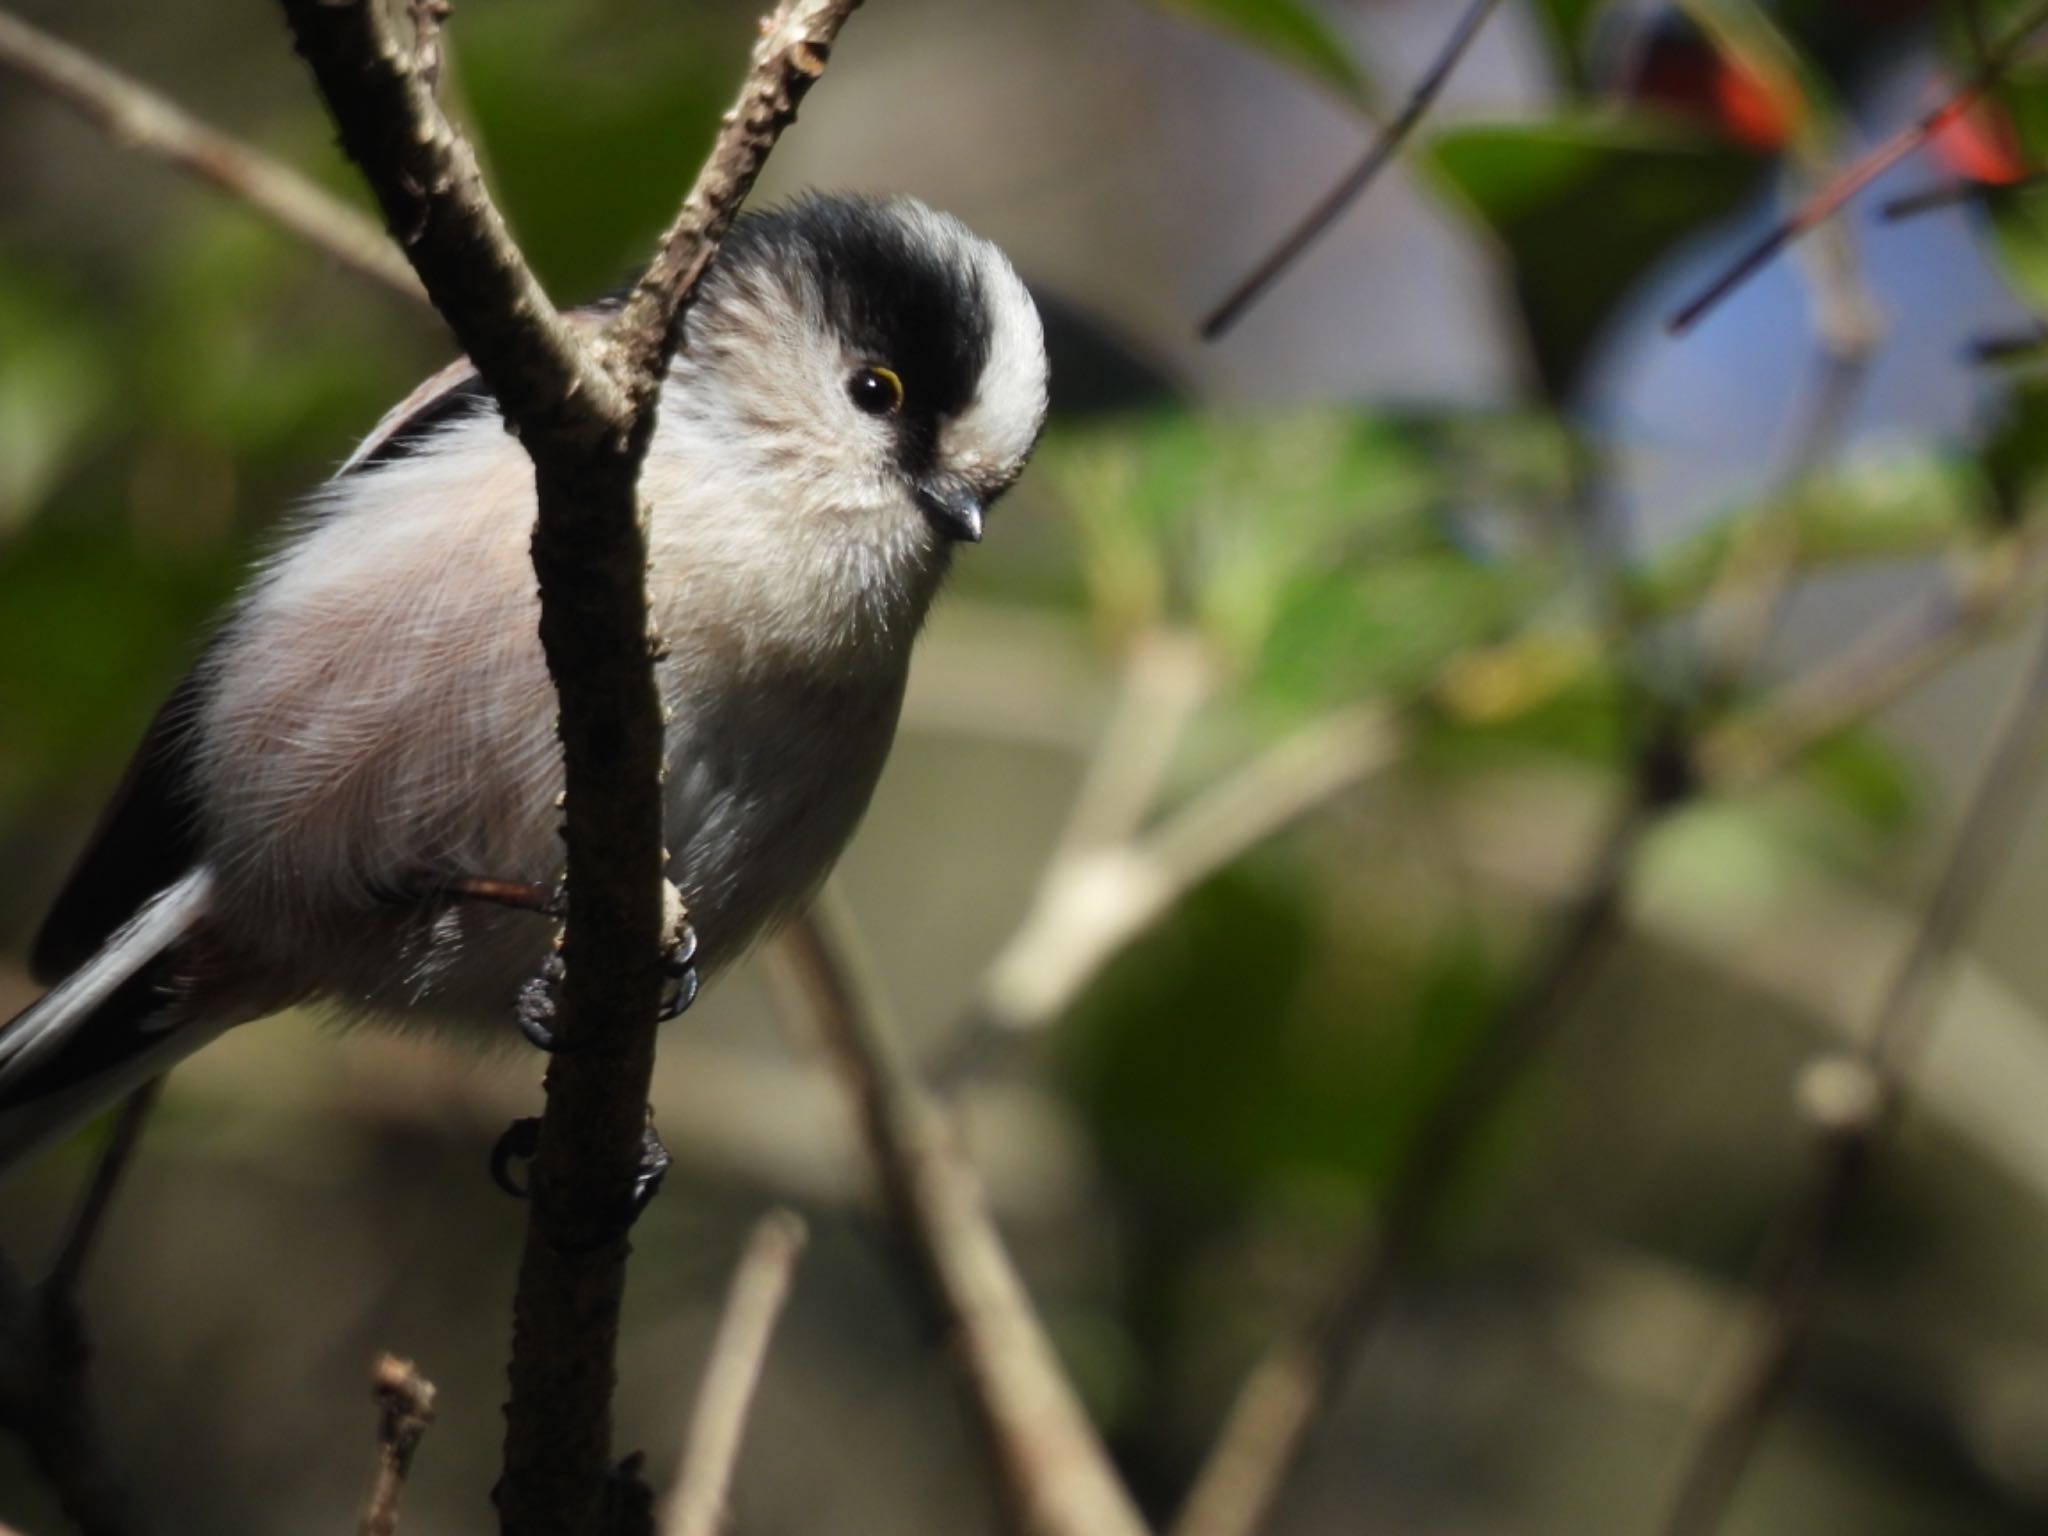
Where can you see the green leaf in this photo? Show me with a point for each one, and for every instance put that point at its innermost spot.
(1584, 208)
(1314, 552)
(1289, 32)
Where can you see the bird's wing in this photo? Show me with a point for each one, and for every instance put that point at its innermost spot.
(109, 1027)
(148, 836)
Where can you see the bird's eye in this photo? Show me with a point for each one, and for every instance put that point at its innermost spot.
(877, 391)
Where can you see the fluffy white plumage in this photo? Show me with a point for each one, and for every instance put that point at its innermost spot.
(376, 718)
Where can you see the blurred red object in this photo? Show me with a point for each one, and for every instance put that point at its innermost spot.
(1982, 146)
(1670, 63)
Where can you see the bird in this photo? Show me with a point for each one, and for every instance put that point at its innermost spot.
(367, 742)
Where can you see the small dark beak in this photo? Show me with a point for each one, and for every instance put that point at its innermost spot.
(956, 513)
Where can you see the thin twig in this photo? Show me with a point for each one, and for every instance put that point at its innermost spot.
(585, 413)
(795, 45)
(1950, 194)
(1361, 176)
(1830, 198)
(2008, 347)
(138, 118)
(1852, 1102)
(405, 1408)
(760, 1286)
(1055, 1474)
(1290, 1390)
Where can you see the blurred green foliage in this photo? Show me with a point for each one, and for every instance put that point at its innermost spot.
(1251, 1070)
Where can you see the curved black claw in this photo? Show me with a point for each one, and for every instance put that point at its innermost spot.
(536, 1008)
(520, 1141)
(655, 1163)
(680, 993)
(679, 965)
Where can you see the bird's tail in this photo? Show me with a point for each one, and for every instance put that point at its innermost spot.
(104, 1030)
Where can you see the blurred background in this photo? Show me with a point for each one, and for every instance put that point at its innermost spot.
(1431, 542)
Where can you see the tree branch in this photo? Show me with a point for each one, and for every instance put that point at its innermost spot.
(1056, 1476)
(405, 1409)
(760, 1286)
(1361, 176)
(585, 414)
(1828, 201)
(796, 43)
(138, 118)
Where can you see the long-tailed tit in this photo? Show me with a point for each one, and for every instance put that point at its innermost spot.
(371, 732)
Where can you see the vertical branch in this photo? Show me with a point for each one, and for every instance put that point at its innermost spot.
(585, 414)
(1851, 1103)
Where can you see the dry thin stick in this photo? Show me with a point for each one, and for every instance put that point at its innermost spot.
(1289, 1392)
(1830, 198)
(140, 119)
(760, 1286)
(1356, 180)
(1055, 1474)
(405, 1407)
(1853, 1101)
(585, 414)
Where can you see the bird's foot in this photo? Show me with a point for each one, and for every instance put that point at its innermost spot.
(536, 1007)
(678, 954)
(522, 1139)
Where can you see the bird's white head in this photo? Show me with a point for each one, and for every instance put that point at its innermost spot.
(883, 363)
